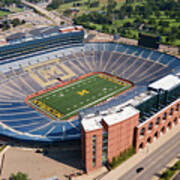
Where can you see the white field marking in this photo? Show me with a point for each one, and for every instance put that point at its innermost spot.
(52, 94)
(76, 110)
(96, 102)
(64, 87)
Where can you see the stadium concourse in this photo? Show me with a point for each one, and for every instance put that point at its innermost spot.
(32, 73)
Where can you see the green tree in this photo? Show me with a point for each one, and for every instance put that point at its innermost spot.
(111, 5)
(15, 22)
(19, 176)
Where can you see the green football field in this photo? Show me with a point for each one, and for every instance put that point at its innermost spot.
(69, 99)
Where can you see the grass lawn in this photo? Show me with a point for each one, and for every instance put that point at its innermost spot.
(15, 9)
(84, 93)
(3, 13)
(84, 8)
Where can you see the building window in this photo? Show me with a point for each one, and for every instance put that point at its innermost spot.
(177, 107)
(171, 112)
(142, 132)
(163, 129)
(94, 150)
(175, 120)
(150, 126)
(156, 134)
(104, 147)
(169, 125)
(158, 121)
(149, 140)
(141, 146)
(165, 116)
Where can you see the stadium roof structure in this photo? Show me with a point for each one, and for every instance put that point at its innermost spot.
(166, 83)
(33, 33)
(37, 34)
(16, 36)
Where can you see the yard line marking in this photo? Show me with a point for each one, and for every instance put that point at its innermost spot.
(95, 102)
(51, 93)
(64, 87)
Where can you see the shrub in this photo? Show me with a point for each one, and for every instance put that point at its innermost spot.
(170, 172)
(19, 176)
(122, 157)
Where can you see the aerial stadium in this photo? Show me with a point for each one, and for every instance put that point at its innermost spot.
(55, 87)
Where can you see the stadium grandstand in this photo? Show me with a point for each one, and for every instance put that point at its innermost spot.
(26, 45)
(26, 70)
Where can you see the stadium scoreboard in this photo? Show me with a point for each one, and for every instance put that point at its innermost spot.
(148, 40)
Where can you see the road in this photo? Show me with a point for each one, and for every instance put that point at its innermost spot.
(156, 161)
(177, 177)
(55, 19)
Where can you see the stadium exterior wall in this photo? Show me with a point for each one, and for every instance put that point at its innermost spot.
(121, 136)
(88, 150)
(125, 134)
(157, 125)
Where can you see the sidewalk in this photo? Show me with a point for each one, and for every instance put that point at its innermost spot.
(92, 175)
(130, 163)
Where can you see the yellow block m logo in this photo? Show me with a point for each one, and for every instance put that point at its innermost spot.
(83, 92)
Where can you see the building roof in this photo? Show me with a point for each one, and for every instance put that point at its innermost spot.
(166, 83)
(91, 123)
(38, 34)
(16, 36)
(122, 115)
(44, 31)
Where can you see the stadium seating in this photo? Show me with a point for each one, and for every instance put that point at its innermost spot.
(18, 120)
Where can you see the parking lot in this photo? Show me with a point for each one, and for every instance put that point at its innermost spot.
(57, 162)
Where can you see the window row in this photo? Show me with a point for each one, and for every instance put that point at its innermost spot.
(156, 134)
(150, 126)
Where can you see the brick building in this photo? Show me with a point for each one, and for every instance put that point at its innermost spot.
(107, 134)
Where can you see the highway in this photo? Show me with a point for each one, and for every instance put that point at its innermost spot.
(156, 161)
